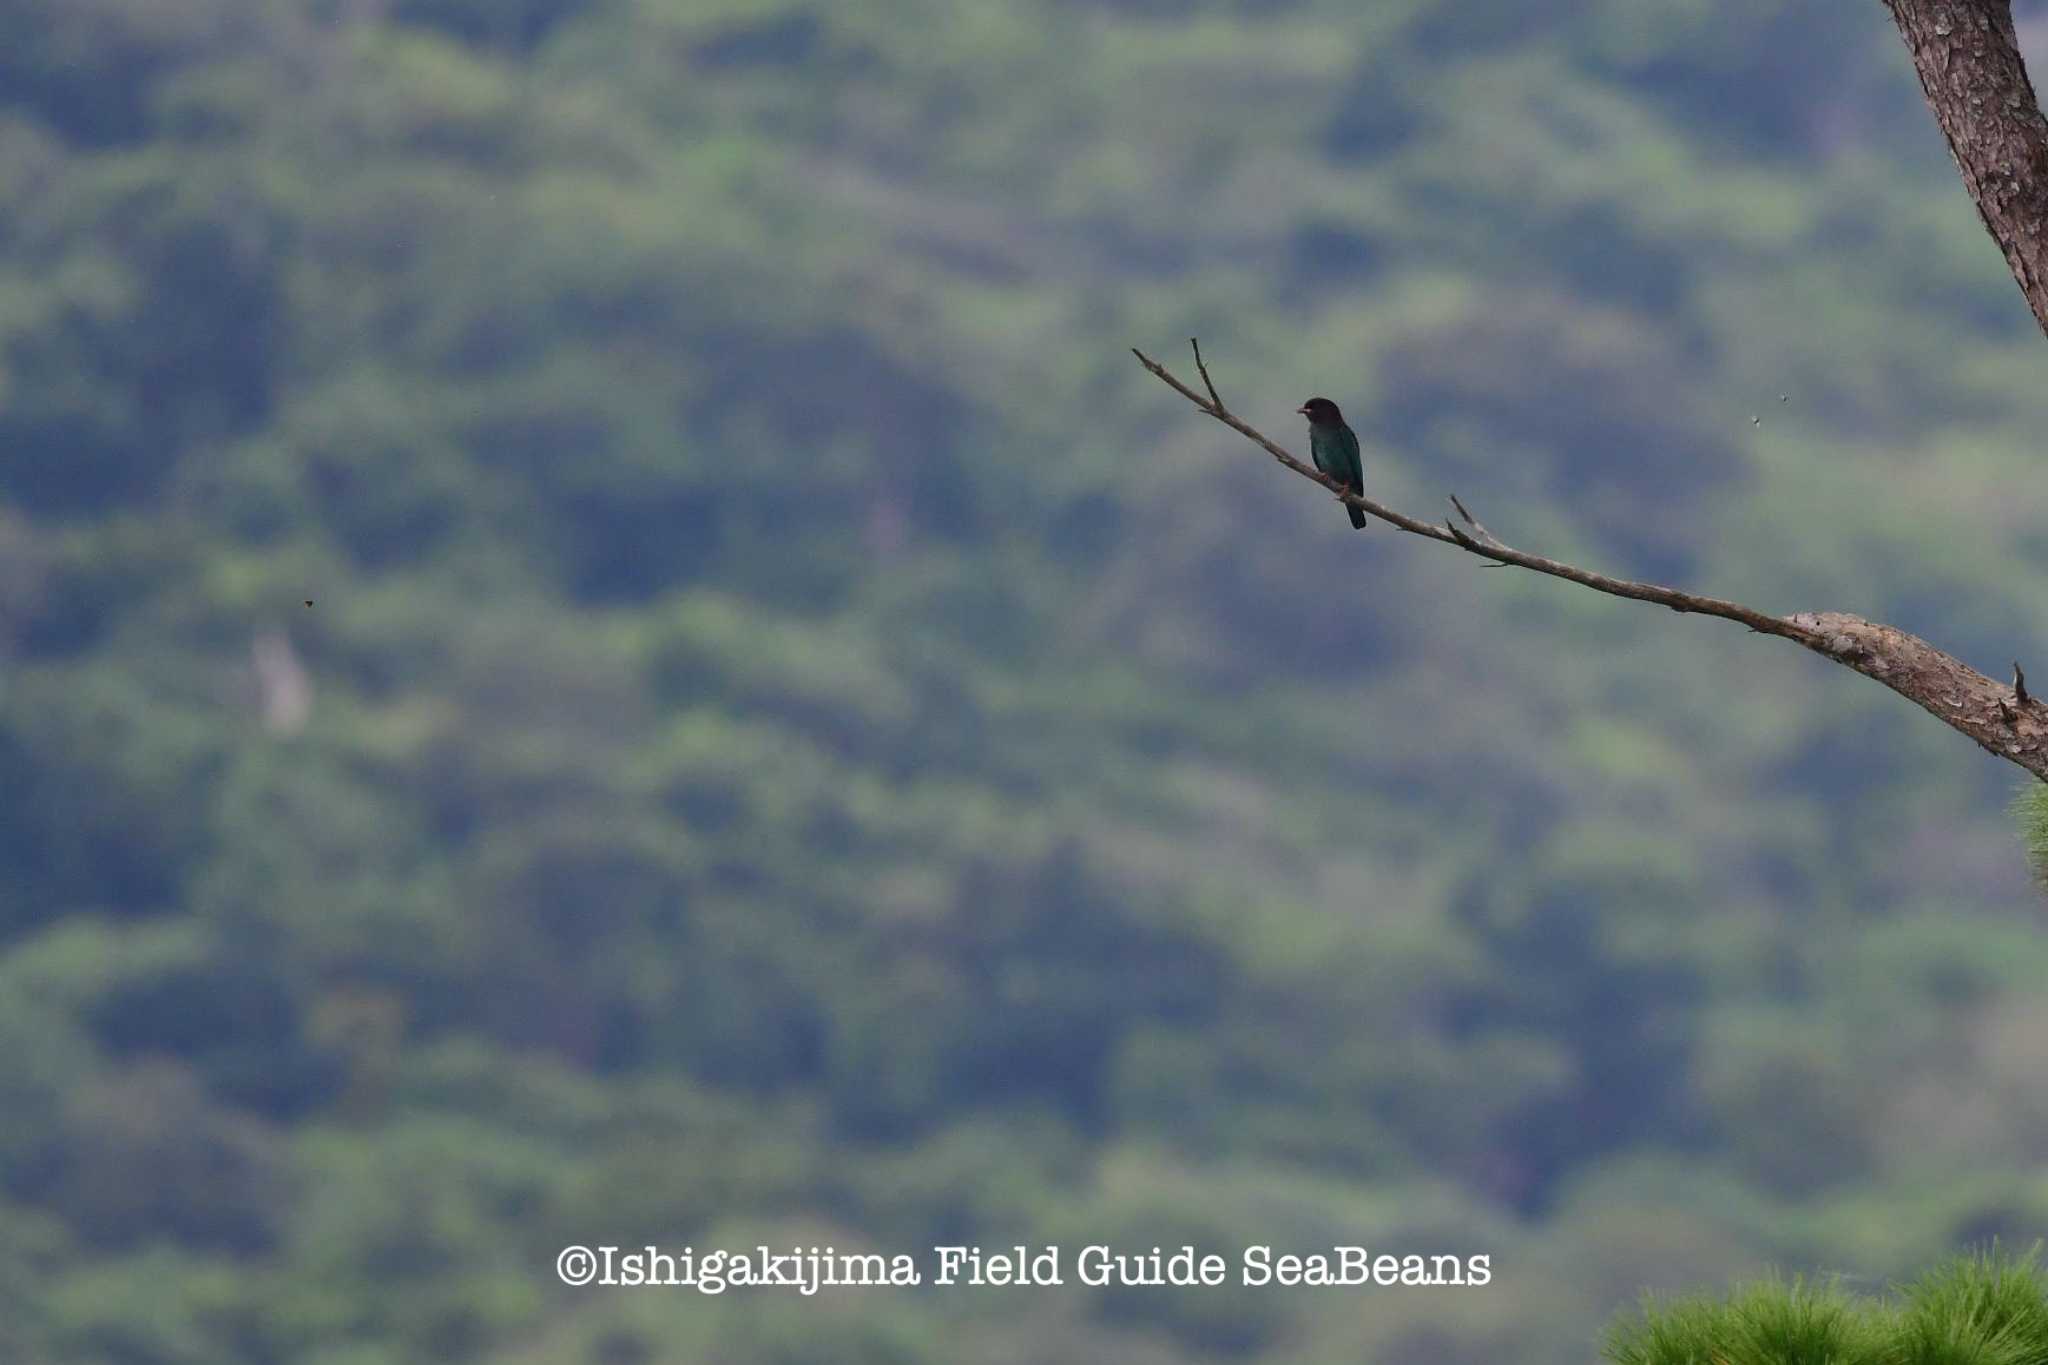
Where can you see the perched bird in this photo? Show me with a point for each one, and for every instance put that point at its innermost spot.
(1334, 447)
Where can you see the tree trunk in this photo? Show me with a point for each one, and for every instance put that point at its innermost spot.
(1969, 62)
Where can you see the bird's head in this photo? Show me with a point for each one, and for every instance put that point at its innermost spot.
(1321, 412)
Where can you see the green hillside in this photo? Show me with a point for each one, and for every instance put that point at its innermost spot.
(797, 739)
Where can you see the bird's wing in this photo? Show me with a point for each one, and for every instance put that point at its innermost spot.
(1354, 464)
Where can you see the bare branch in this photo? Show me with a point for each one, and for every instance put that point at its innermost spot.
(1939, 683)
(1491, 548)
(1968, 58)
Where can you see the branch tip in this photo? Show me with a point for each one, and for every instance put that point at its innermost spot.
(1465, 512)
(1207, 382)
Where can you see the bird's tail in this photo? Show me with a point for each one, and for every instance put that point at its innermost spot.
(1357, 517)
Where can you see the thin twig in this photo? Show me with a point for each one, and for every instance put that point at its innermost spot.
(1218, 402)
(1469, 542)
(1473, 521)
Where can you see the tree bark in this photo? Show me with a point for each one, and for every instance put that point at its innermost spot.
(1970, 68)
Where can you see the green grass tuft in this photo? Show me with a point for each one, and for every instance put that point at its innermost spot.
(1769, 1323)
(1985, 1309)
(2030, 808)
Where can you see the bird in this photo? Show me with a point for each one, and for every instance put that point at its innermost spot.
(1334, 447)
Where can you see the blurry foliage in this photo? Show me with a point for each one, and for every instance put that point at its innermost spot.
(2030, 807)
(806, 742)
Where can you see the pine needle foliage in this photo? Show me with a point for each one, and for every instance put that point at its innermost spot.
(2030, 808)
(1988, 1308)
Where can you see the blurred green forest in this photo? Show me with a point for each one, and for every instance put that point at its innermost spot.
(797, 738)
